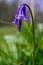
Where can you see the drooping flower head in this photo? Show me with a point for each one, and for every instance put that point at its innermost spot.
(20, 16)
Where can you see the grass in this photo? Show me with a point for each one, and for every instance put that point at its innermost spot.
(16, 48)
(7, 30)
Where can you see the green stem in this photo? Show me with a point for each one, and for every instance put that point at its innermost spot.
(33, 37)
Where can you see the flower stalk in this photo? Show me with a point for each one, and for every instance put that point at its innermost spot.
(22, 16)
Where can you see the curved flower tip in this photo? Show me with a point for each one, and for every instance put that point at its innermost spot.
(16, 22)
(13, 22)
(26, 18)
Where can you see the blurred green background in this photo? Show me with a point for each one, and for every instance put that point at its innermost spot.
(16, 48)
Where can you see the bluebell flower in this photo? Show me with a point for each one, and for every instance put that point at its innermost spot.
(20, 16)
(21, 13)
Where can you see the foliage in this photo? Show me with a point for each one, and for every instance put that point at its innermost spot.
(16, 48)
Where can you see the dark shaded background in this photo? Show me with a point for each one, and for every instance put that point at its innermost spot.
(7, 12)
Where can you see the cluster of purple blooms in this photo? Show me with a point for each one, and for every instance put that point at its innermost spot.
(20, 16)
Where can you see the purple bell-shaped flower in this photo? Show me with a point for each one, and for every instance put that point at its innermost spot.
(21, 13)
(20, 16)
